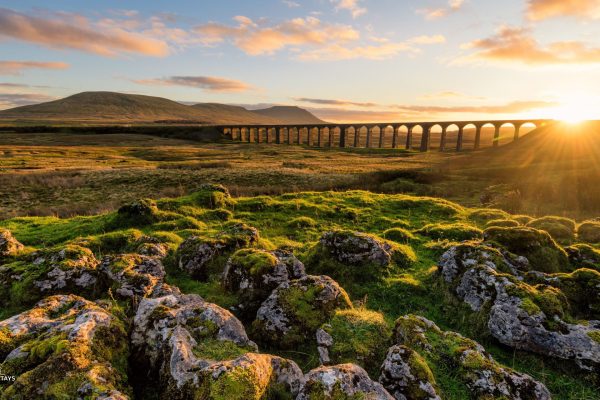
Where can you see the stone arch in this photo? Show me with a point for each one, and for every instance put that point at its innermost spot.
(450, 137)
(416, 134)
(525, 128)
(373, 136)
(469, 135)
(507, 132)
(386, 136)
(436, 132)
(487, 134)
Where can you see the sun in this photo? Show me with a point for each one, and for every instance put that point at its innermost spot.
(576, 109)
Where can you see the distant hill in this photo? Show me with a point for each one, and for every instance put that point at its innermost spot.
(112, 107)
(290, 115)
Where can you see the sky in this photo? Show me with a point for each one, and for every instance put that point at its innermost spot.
(344, 60)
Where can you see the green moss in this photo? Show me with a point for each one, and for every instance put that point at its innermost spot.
(522, 219)
(550, 300)
(561, 229)
(359, 336)
(502, 222)
(595, 335)
(180, 224)
(482, 215)
(218, 350)
(399, 235)
(256, 262)
(237, 384)
(543, 253)
(458, 231)
(589, 231)
(316, 390)
(302, 222)
(112, 242)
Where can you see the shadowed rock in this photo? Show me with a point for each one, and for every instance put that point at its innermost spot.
(9, 246)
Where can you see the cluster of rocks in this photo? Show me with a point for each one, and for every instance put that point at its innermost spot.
(528, 311)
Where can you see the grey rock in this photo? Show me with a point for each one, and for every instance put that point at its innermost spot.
(406, 376)
(346, 379)
(133, 274)
(9, 246)
(356, 248)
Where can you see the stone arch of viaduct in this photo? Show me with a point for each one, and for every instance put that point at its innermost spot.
(349, 135)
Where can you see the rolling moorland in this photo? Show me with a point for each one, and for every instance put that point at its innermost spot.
(138, 265)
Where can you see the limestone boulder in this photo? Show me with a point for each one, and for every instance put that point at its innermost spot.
(253, 274)
(64, 347)
(132, 275)
(296, 309)
(344, 381)
(9, 246)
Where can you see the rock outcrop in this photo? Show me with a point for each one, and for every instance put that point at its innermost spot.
(528, 317)
(253, 274)
(199, 350)
(406, 375)
(296, 309)
(484, 377)
(64, 347)
(132, 275)
(196, 254)
(344, 381)
(9, 246)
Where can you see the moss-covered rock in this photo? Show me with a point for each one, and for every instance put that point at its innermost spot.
(9, 246)
(253, 274)
(65, 347)
(398, 235)
(484, 377)
(357, 257)
(58, 270)
(196, 349)
(405, 374)
(589, 231)
(355, 336)
(561, 229)
(543, 253)
(202, 256)
(212, 196)
(296, 309)
(483, 215)
(140, 212)
(341, 382)
(502, 222)
(584, 256)
(132, 275)
(458, 231)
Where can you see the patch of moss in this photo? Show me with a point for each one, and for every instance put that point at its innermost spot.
(502, 222)
(589, 231)
(359, 336)
(595, 335)
(543, 253)
(302, 222)
(561, 229)
(483, 215)
(399, 235)
(457, 231)
(238, 383)
(212, 196)
(218, 350)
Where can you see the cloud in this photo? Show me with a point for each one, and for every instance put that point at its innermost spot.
(334, 102)
(436, 13)
(350, 5)
(538, 10)
(210, 83)
(10, 100)
(450, 95)
(291, 4)
(12, 67)
(308, 38)
(517, 45)
(509, 108)
(70, 31)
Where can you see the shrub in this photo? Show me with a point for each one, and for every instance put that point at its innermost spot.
(458, 231)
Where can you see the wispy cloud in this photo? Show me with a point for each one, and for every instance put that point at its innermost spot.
(71, 31)
(291, 4)
(210, 83)
(308, 38)
(449, 95)
(352, 6)
(13, 67)
(517, 45)
(331, 102)
(440, 12)
(10, 100)
(544, 9)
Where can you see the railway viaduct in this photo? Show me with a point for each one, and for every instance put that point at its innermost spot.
(322, 135)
